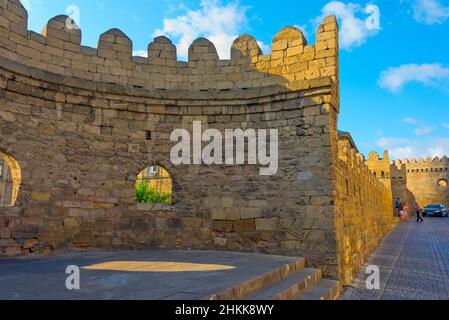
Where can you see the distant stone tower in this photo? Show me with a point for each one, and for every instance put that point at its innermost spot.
(426, 179)
(423, 181)
(380, 167)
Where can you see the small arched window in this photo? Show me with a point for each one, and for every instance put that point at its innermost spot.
(154, 186)
(10, 180)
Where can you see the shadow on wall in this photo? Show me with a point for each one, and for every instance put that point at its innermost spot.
(102, 136)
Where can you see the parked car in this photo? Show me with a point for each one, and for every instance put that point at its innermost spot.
(435, 210)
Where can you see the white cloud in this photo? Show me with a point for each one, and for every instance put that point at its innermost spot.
(400, 148)
(395, 78)
(221, 24)
(422, 128)
(422, 131)
(266, 49)
(446, 125)
(357, 24)
(223, 43)
(303, 28)
(140, 53)
(430, 11)
(409, 120)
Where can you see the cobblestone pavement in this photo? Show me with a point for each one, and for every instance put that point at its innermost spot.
(413, 261)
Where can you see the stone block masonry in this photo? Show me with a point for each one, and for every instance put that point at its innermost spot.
(78, 124)
(426, 179)
(422, 180)
(363, 208)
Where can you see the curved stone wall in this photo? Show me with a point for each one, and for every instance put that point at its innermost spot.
(292, 63)
(83, 122)
(80, 124)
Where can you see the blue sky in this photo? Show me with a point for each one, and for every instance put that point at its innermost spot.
(394, 74)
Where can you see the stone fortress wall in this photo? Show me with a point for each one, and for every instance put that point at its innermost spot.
(414, 180)
(384, 171)
(78, 124)
(292, 63)
(427, 179)
(363, 208)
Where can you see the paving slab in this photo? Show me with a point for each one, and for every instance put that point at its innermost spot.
(44, 278)
(414, 264)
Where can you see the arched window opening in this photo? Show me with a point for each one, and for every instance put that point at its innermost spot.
(10, 180)
(154, 186)
(443, 183)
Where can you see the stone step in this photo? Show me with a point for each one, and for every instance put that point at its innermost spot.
(323, 290)
(290, 287)
(251, 286)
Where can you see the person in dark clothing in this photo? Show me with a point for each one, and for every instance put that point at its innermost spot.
(418, 213)
(397, 205)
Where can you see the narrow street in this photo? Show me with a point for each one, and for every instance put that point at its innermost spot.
(413, 261)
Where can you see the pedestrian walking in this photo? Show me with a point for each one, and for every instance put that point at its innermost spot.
(403, 211)
(418, 213)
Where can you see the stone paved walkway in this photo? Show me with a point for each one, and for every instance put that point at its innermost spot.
(44, 277)
(413, 261)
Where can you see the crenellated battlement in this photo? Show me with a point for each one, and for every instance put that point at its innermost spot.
(357, 166)
(83, 122)
(292, 64)
(421, 163)
(421, 180)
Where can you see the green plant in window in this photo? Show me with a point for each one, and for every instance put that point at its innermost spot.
(146, 194)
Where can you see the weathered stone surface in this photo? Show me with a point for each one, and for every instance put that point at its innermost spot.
(363, 209)
(267, 224)
(40, 196)
(77, 126)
